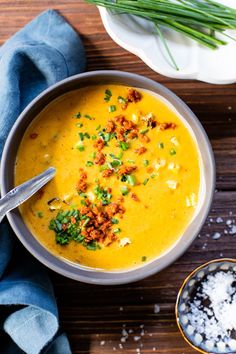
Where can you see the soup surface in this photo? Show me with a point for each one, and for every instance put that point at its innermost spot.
(127, 176)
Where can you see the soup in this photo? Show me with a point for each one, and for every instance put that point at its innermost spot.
(127, 176)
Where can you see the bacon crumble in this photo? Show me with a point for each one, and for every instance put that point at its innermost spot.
(166, 125)
(107, 173)
(99, 227)
(133, 95)
(82, 183)
(141, 150)
(126, 170)
(100, 159)
(99, 144)
(135, 197)
(33, 136)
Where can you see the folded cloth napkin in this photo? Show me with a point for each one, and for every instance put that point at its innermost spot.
(47, 50)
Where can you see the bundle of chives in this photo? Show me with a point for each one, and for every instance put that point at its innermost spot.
(198, 19)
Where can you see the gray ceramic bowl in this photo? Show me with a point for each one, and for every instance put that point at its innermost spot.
(75, 271)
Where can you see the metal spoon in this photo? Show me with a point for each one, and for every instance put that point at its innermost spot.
(21, 193)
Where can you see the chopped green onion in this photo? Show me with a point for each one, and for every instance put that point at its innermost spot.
(124, 145)
(161, 145)
(116, 163)
(88, 117)
(78, 115)
(131, 179)
(144, 258)
(81, 135)
(144, 131)
(92, 246)
(40, 214)
(86, 135)
(120, 155)
(124, 190)
(172, 152)
(79, 125)
(112, 108)
(98, 127)
(145, 163)
(114, 157)
(89, 163)
(94, 137)
(121, 99)
(114, 221)
(116, 231)
(79, 146)
(131, 161)
(123, 178)
(93, 155)
(108, 95)
(145, 181)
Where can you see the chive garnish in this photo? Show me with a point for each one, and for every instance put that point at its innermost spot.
(120, 155)
(131, 179)
(81, 135)
(121, 99)
(92, 155)
(172, 152)
(94, 137)
(81, 148)
(78, 115)
(161, 145)
(89, 163)
(124, 190)
(112, 108)
(114, 157)
(145, 181)
(108, 95)
(98, 127)
(114, 221)
(124, 145)
(144, 131)
(40, 214)
(145, 163)
(88, 117)
(116, 163)
(79, 125)
(144, 258)
(116, 231)
(102, 195)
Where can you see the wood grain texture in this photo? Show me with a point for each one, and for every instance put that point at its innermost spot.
(92, 315)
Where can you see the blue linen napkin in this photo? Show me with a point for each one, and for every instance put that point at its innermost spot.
(45, 51)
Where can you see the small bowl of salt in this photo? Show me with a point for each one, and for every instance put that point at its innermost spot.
(206, 307)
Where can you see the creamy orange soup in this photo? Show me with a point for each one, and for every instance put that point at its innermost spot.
(127, 177)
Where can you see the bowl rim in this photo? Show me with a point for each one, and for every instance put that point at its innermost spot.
(186, 280)
(123, 276)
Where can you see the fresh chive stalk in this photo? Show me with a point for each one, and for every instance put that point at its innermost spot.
(198, 20)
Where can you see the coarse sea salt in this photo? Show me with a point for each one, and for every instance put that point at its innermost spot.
(212, 312)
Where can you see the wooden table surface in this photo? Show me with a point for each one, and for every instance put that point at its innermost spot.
(94, 316)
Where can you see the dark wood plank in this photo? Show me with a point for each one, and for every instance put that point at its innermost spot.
(92, 314)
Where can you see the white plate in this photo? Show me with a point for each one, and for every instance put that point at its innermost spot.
(195, 61)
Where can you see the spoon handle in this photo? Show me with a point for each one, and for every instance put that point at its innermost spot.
(21, 193)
